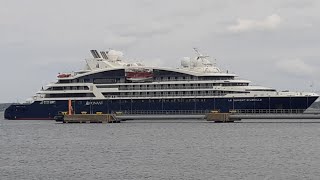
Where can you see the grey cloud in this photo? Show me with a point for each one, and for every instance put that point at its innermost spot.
(47, 37)
(298, 4)
(296, 67)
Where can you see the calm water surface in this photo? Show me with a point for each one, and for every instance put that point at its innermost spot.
(159, 150)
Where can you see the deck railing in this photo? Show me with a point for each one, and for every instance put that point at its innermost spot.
(267, 111)
(195, 112)
(165, 95)
(166, 112)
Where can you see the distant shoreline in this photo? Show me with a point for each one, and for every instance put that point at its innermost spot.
(3, 106)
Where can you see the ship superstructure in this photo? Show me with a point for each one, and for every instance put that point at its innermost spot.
(109, 84)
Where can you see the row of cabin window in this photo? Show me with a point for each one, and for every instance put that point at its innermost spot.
(95, 81)
(69, 95)
(156, 100)
(120, 80)
(68, 88)
(172, 86)
(193, 78)
(149, 87)
(173, 93)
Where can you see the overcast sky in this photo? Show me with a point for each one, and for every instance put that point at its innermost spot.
(274, 43)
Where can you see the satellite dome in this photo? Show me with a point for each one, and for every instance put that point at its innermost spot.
(185, 62)
(114, 55)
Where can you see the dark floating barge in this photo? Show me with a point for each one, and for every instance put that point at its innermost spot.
(230, 117)
(213, 116)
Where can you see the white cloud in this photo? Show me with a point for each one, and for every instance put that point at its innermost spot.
(115, 40)
(146, 29)
(156, 62)
(296, 67)
(269, 23)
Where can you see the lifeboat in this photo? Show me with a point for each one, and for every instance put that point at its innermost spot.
(63, 75)
(139, 74)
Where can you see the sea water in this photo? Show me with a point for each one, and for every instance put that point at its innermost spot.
(159, 150)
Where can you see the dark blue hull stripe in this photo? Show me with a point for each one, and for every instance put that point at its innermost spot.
(48, 109)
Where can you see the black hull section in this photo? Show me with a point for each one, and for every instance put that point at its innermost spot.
(46, 110)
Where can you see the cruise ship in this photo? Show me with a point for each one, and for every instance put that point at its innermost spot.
(109, 84)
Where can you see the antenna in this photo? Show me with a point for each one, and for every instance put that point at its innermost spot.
(197, 51)
(200, 56)
(312, 86)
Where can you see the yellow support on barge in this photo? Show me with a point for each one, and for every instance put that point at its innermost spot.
(87, 118)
